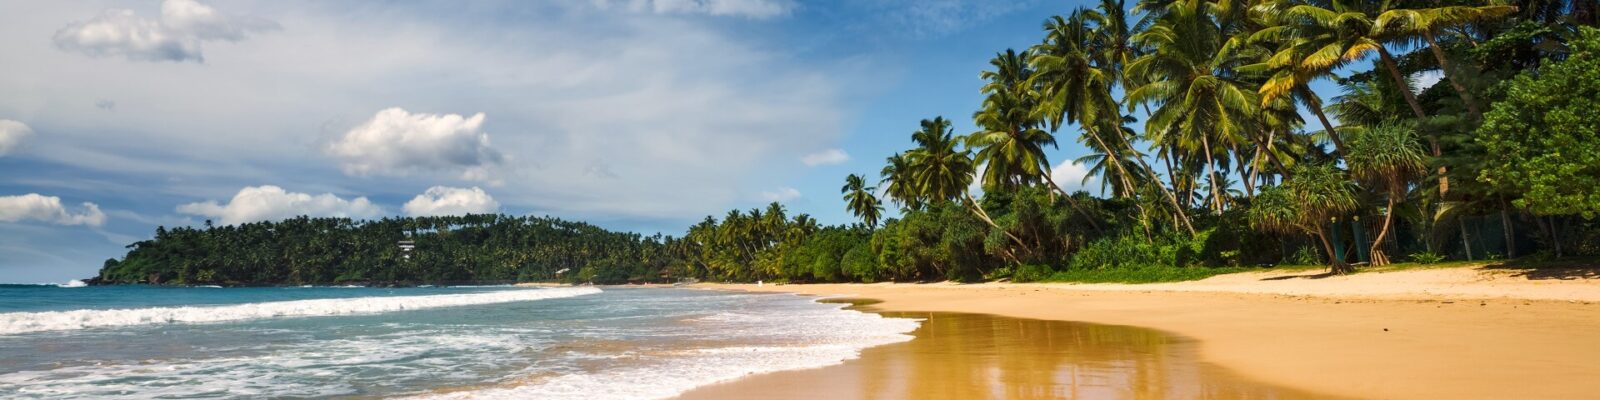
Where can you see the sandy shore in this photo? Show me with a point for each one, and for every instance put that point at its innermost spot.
(1460, 333)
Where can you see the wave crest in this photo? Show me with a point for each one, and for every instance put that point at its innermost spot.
(29, 322)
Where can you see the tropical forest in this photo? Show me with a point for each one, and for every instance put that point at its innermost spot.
(1453, 131)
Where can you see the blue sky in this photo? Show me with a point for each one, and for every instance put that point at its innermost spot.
(641, 115)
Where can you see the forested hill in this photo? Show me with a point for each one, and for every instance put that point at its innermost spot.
(456, 249)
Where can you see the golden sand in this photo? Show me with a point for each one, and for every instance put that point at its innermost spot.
(1348, 337)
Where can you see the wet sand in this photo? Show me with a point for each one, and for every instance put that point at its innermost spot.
(1351, 337)
(980, 356)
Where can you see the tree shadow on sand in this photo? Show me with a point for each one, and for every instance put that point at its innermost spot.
(1566, 269)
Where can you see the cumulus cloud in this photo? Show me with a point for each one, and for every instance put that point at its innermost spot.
(782, 194)
(758, 9)
(825, 157)
(1071, 176)
(441, 200)
(48, 209)
(397, 143)
(11, 135)
(272, 203)
(176, 36)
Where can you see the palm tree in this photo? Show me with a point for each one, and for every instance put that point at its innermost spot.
(1388, 155)
(1076, 68)
(1305, 203)
(1425, 23)
(1010, 141)
(901, 184)
(1348, 30)
(1190, 76)
(940, 171)
(858, 198)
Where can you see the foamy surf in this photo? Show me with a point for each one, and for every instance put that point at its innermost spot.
(814, 339)
(29, 322)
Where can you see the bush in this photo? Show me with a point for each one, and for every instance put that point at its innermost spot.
(1426, 257)
(1032, 273)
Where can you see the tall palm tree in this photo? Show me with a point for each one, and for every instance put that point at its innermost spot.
(1347, 30)
(1190, 76)
(1011, 140)
(941, 172)
(1388, 155)
(859, 199)
(1426, 23)
(1077, 65)
(900, 182)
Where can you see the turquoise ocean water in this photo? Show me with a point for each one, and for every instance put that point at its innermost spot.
(450, 342)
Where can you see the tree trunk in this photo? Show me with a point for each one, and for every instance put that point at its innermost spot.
(1211, 171)
(1073, 203)
(1505, 226)
(1461, 90)
(1416, 108)
(1336, 265)
(1465, 245)
(983, 215)
(1315, 104)
(1176, 207)
(1378, 257)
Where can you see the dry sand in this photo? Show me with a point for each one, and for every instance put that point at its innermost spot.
(1459, 333)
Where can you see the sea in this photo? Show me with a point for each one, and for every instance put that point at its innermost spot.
(71, 341)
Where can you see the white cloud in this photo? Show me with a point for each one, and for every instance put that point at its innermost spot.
(782, 194)
(177, 36)
(11, 135)
(34, 206)
(825, 157)
(1423, 80)
(758, 9)
(398, 143)
(272, 203)
(440, 200)
(1070, 175)
(598, 115)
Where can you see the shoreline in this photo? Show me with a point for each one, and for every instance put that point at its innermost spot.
(1419, 334)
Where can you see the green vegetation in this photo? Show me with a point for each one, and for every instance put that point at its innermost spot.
(1194, 115)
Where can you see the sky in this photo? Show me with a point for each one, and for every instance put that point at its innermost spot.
(639, 115)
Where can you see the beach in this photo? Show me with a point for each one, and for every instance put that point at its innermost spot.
(1460, 333)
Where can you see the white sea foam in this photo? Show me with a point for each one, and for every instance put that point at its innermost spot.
(73, 284)
(27, 322)
(791, 339)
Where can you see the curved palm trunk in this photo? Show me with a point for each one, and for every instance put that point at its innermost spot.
(1184, 217)
(1315, 104)
(1461, 90)
(984, 215)
(1335, 265)
(1378, 256)
(1073, 204)
(1416, 108)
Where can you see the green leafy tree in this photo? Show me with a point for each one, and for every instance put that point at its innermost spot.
(1544, 138)
(1305, 204)
(1389, 156)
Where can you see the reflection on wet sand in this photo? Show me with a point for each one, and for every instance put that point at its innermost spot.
(975, 356)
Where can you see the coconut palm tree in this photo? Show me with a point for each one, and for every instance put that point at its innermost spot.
(1389, 156)
(1426, 23)
(1306, 203)
(941, 172)
(858, 198)
(1011, 139)
(1189, 76)
(900, 184)
(1348, 30)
